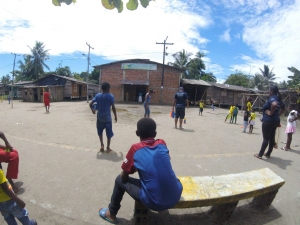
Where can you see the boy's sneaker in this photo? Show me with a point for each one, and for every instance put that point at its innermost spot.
(33, 222)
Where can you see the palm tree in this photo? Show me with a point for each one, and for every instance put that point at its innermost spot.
(258, 81)
(268, 75)
(181, 61)
(38, 57)
(295, 79)
(24, 72)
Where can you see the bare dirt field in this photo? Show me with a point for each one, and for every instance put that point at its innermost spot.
(64, 179)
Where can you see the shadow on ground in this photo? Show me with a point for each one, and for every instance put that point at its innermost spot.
(112, 156)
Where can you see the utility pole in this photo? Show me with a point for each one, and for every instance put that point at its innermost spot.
(87, 76)
(163, 66)
(13, 76)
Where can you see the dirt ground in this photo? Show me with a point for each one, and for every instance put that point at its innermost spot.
(64, 179)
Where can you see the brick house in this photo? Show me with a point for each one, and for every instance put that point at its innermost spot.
(132, 78)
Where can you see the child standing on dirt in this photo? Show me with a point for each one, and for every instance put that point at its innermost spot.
(252, 121)
(291, 126)
(235, 113)
(201, 105)
(230, 113)
(246, 117)
(11, 206)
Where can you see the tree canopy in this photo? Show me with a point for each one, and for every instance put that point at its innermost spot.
(193, 67)
(111, 4)
(239, 79)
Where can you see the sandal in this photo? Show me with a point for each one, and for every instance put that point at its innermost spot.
(257, 156)
(284, 149)
(267, 156)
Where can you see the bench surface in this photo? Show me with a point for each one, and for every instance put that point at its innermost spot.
(214, 190)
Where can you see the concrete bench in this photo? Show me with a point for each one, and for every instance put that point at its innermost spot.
(223, 193)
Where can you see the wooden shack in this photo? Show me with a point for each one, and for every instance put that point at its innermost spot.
(225, 94)
(60, 87)
(195, 89)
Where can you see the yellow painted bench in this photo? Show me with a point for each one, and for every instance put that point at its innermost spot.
(223, 193)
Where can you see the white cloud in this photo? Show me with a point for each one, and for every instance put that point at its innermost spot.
(275, 39)
(225, 36)
(66, 29)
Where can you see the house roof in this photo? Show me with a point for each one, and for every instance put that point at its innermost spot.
(66, 78)
(229, 87)
(137, 61)
(195, 82)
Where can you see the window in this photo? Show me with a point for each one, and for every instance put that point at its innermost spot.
(75, 87)
(84, 88)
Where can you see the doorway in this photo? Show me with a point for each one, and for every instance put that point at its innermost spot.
(132, 92)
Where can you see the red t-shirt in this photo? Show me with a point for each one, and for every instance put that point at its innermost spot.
(46, 97)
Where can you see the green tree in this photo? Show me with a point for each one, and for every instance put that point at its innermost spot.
(111, 4)
(283, 85)
(295, 79)
(258, 81)
(24, 73)
(239, 79)
(63, 71)
(268, 75)
(196, 67)
(181, 61)
(77, 76)
(37, 59)
(5, 79)
(94, 76)
(209, 77)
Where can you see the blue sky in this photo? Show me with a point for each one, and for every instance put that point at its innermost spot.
(235, 35)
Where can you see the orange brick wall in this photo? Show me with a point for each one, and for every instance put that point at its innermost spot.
(113, 74)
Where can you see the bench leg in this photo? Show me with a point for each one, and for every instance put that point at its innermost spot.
(222, 213)
(264, 201)
(140, 214)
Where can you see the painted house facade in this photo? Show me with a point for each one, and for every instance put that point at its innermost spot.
(130, 79)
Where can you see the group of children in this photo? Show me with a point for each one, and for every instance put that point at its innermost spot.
(249, 116)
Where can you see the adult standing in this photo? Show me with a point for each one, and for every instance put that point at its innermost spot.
(10, 156)
(179, 103)
(272, 110)
(47, 100)
(104, 101)
(146, 103)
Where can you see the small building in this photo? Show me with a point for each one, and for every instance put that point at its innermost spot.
(225, 94)
(132, 78)
(195, 89)
(60, 87)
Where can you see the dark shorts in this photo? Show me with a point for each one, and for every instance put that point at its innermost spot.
(201, 109)
(180, 113)
(108, 128)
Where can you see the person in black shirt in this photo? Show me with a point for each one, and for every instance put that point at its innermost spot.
(179, 103)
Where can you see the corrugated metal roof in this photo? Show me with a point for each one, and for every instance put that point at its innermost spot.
(229, 87)
(195, 82)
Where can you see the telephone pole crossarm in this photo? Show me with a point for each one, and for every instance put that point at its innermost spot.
(163, 66)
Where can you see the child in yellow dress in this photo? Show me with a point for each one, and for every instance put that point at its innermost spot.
(201, 105)
(252, 121)
(230, 113)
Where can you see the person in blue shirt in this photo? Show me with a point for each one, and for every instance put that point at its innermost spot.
(180, 100)
(104, 101)
(272, 110)
(146, 103)
(158, 188)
